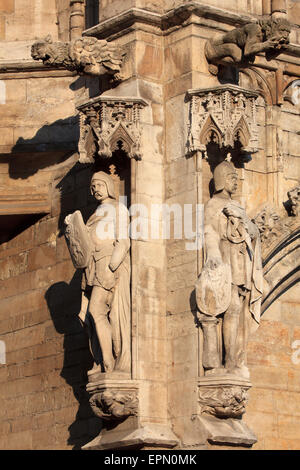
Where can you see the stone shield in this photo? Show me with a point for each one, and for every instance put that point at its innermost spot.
(213, 290)
(78, 240)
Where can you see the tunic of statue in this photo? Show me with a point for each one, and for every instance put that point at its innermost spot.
(105, 309)
(229, 288)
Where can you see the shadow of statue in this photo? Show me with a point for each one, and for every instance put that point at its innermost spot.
(64, 301)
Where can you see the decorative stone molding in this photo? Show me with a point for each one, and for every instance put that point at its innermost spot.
(223, 397)
(113, 397)
(222, 400)
(225, 114)
(107, 124)
(270, 225)
(85, 55)
(114, 404)
(280, 247)
(274, 228)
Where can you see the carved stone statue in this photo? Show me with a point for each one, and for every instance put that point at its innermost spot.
(86, 55)
(242, 44)
(101, 248)
(229, 288)
(294, 199)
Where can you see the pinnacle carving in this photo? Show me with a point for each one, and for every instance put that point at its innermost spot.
(107, 124)
(225, 115)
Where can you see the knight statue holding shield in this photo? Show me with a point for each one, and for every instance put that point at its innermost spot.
(229, 288)
(101, 249)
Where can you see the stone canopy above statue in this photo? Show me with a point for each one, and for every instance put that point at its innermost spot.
(224, 115)
(108, 123)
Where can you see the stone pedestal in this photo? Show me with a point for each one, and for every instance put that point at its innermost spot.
(222, 400)
(114, 398)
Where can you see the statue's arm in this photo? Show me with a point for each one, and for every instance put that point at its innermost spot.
(213, 256)
(254, 43)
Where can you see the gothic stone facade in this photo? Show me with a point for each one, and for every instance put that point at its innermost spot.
(167, 115)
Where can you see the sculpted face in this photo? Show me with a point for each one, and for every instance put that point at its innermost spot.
(99, 189)
(231, 183)
(39, 50)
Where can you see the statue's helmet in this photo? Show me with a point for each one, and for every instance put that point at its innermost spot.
(220, 174)
(101, 175)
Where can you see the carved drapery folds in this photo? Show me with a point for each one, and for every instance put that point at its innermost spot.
(226, 115)
(108, 124)
(85, 55)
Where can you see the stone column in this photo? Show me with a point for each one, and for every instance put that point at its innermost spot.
(279, 8)
(76, 18)
(211, 354)
(266, 7)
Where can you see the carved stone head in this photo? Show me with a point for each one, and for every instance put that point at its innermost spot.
(102, 176)
(276, 28)
(221, 173)
(51, 53)
(294, 198)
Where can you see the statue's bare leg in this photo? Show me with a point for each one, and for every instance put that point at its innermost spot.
(98, 308)
(230, 329)
(229, 52)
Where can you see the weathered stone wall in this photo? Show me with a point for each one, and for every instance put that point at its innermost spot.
(43, 402)
(274, 404)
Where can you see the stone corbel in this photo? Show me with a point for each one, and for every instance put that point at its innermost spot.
(222, 402)
(226, 115)
(113, 398)
(108, 124)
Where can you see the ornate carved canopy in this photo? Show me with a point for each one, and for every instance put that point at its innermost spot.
(107, 124)
(225, 114)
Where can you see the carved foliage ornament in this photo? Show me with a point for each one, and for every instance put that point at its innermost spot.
(86, 55)
(108, 124)
(224, 114)
(272, 227)
(114, 404)
(224, 401)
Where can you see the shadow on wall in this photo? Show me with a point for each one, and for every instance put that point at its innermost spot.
(64, 305)
(64, 302)
(51, 145)
(74, 189)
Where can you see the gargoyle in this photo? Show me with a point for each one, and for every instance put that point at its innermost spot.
(86, 55)
(241, 45)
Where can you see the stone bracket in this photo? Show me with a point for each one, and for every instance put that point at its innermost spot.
(223, 396)
(108, 124)
(229, 431)
(222, 401)
(225, 114)
(113, 397)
